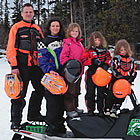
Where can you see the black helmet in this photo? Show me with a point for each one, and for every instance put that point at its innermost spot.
(72, 70)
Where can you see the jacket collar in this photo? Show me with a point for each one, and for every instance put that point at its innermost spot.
(125, 56)
(74, 39)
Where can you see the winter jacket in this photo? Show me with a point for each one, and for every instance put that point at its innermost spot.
(123, 66)
(101, 54)
(49, 50)
(72, 49)
(22, 44)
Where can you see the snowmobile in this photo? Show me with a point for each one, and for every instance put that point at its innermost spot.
(126, 127)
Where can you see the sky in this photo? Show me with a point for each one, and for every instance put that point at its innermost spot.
(6, 133)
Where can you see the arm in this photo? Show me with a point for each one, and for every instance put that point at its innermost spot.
(85, 58)
(115, 66)
(108, 58)
(65, 53)
(11, 52)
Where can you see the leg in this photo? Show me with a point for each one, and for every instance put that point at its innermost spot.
(55, 112)
(36, 96)
(100, 100)
(90, 93)
(17, 105)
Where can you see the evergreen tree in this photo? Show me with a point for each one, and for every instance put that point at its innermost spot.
(16, 15)
(1, 11)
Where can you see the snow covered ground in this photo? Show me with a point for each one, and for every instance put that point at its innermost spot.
(6, 133)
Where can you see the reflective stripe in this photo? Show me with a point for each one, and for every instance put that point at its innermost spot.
(55, 58)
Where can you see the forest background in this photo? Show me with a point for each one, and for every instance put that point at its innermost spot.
(116, 19)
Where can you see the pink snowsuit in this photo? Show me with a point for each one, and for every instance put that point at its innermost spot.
(72, 49)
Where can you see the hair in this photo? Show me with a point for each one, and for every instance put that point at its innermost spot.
(71, 27)
(48, 32)
(27, 5)
(91, 42)
(122, 43)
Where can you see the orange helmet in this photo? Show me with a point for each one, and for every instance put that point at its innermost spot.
(121, 88)
(55, 84)
(101, 77)
(13, 86)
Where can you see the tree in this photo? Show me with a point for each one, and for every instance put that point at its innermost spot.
(117, 22)
(1, 11)
(6, 17)
(16, 15)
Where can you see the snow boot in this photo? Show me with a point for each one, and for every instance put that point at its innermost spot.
(72, 114)
(15, 125)
(79, 110)
(107, 112)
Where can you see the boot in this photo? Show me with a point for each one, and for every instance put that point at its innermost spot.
(15, 125)
(72, 114)
(79, 110)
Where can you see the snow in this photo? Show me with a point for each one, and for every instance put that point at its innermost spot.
(6, 133)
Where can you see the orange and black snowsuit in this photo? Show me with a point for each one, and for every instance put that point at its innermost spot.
(21, 53)
(122, 67)
(22, 44)
(103, 55)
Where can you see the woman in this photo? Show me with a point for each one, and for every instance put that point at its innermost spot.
(48, 58)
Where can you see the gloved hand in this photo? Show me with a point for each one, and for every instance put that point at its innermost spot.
(95, 62)
(119, 76)
(15, 71)
(130, 81)
(105, 66)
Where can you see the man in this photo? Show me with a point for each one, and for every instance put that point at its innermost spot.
(21, 54)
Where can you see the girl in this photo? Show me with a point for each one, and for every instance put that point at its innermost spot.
(122, 67)
(95, 55)
(48, 58)
(72, 49)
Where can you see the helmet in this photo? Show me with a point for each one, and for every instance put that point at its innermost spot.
(101, 77)
(121, 88)
(55, 84)
(72, 70)
(13, 85)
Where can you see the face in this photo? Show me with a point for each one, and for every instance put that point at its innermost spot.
(27, 13)
(97, 42)
(123, 51)
(55, 28)
(74, 33)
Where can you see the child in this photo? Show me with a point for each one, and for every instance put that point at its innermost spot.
(95, 55)
(72, 49)
(122, 67)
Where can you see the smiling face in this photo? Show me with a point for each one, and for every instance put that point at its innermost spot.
(74, 33)
(27, 13)
(97, 42)
(54, 28)
(123, 51)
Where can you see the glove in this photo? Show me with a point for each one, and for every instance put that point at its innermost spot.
(105, 67)
(15, 71)
(119, 76)
(95, 62)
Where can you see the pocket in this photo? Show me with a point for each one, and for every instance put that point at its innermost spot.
(22, 58)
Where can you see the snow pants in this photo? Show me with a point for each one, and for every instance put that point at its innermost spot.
(71, 96)
(91, 94)
(27, 73)
(110, 98)
(55, 111)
